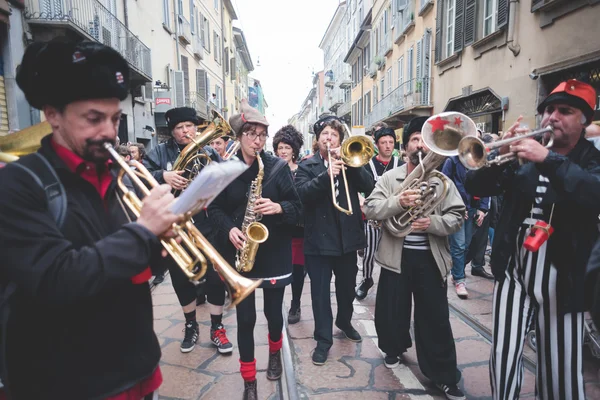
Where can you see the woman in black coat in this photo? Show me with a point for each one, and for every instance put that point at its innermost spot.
(280, 207)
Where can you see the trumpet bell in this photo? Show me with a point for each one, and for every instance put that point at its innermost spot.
(472, 153)
(23, 142)
(443, 132)
(357, 151)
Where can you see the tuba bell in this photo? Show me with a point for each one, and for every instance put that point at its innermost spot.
(23, 142)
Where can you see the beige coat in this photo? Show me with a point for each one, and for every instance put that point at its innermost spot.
(446, 219)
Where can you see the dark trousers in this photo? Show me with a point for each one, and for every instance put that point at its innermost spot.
(298, 276)
(476, 251)
(186, 291)
(320, 270)
(420, 279)
(246, 320)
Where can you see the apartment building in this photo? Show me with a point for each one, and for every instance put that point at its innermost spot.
(310, 111)
(241, 66)
(229, 69)
(337, 73)
(496, 59)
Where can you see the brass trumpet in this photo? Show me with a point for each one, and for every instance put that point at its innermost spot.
(192, 253)
(355, 151)
(475, 154)
(23, 142)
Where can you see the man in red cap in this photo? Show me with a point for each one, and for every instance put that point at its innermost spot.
(542, 245)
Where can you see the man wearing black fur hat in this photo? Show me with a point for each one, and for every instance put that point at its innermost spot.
(416, 266)
(331, 238)
(183, 122)
(385, 140)
(80, 321)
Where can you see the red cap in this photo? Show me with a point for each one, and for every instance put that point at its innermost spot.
(574, 93)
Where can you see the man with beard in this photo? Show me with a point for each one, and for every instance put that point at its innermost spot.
(183, 122)
(416, 266)
(542, 244)
(385, 139)
(80, 318)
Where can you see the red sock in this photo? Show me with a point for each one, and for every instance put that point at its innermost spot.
(274, 347)
(248, 370)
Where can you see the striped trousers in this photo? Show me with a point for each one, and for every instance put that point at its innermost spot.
(528, 293)
(372, 235)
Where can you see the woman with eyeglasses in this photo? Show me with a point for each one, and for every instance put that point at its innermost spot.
(280, 207)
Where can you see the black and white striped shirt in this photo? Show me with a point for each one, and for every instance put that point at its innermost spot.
(417, 241)
(537, 214)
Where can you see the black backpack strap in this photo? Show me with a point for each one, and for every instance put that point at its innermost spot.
(38, 167)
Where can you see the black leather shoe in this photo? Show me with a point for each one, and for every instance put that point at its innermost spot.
(250, 390)
(351, 333)
(275, 368)
(363, 289)
(158, 279)
(482, 273)
(319, 356)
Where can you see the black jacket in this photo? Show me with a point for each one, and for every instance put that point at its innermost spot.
(574, 188)
(327, 231)
(78, 328)
(274, 257)
(162, 158)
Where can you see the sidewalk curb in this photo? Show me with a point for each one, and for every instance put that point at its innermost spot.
(289, 386)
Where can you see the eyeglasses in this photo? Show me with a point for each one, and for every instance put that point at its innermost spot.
(252, 135)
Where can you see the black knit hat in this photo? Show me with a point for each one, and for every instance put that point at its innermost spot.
(61, 71)
(181, 114)
(412, 126)
(379, 133)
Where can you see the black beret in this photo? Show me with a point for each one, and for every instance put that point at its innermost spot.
(61, 71)
(379, 133)
(181, 114)
(322, 123)
(412, 126)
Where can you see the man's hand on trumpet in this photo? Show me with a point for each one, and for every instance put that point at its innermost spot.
(336, 165)
(155, 214)
(421, 224)
(409, 198)
(175, 179)
(530, 150)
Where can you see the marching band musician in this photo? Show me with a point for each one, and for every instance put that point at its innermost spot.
(385, 139)
(182, 123)
(280, 208)
(331, 238)
(416, 266)
(80, 318)
(287, 143)
(542, 243)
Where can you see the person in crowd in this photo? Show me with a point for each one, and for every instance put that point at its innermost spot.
(79, 319)
(416, 266)
(542, 244)
(592, 133)
(384, 161)
(124, 152)
(138, 151)
(460, 241)
(331, 237)
(280, 208)
(287, 143)
(220, 145)
(182, 123)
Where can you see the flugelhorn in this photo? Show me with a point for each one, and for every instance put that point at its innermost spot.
(192, 253)
(355, 151)
(475, 154)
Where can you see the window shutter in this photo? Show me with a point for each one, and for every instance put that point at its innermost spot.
(502, 13)
(459, 25)
(179, 89)
(419, 59)
(438, 31)
(233, 68)
(425, 65)
(470, 17)
(201, 83)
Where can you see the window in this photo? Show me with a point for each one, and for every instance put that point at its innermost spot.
(368, 103)
(400, 71)
(489, 17)
(375, 94)
(166, 13)
(193, 17)
(217, 5)
(219, 93)
(180, 7)
(206, 36)
(217, 47)
(409, 68)
(389, 80)
(382, 87)
(186, 78)
(450, 15)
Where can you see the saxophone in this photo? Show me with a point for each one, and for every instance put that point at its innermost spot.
(255, 232)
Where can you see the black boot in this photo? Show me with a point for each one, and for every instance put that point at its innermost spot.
(250, 390)
(275, 368)
(294, 314)
(363, 289)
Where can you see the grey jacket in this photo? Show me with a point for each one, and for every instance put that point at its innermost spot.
(446, 219)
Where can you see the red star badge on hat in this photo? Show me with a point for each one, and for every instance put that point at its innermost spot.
(438, 124)
(458, 121)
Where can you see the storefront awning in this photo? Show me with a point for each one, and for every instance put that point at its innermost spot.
(480, 102)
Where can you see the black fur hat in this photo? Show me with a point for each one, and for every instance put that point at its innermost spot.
(61, 71)
(290, 136)
(181, 114)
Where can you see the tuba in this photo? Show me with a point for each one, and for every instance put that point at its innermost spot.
(192, 253)
(23, 142)
(433, 185)
(255, 232)
(193, 157)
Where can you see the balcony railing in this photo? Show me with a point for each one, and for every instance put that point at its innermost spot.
(196, 101)
(197, 48)
(412, 93)
(185, 31)
(344, 109)
(95, 22)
